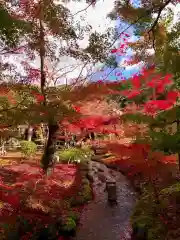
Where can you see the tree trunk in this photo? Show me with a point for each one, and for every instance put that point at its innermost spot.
(28, 133)
(50, 148)
(178, 130)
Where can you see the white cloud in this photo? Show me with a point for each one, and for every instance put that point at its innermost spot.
(133, 67)
(176, 13)
(94, 16)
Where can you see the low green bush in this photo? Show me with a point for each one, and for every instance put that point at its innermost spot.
(173, 189)
(74, 154)
(69, 224)
(28, 148)
(26, 229)
(74, 215)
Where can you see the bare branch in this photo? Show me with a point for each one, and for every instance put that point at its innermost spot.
(82, 10)
(14, 107)
(64, 74)
(152, 28)
(161, 8)
(76, 80)
(148, 12)
(109, 73)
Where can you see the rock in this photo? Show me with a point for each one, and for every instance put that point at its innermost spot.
(100, 170)
(90, 176)
(102, 177)
(101, 152)
(97, 157)
(100, 167)
(95, 169)
(127, 235)
(111, 189)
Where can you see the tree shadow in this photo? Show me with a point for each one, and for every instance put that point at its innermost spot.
(8, 176)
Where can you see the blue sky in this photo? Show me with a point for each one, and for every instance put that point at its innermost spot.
(109, 73)
(129, 71)
(97, 18)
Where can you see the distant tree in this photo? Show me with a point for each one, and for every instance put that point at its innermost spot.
(46, 21)
(158, 33)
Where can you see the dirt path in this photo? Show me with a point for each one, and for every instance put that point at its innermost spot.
(100, 221)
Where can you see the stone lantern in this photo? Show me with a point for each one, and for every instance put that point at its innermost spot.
(111, 189)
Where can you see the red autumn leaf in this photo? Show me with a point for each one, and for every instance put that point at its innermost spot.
(113, 50)
(157, 105)
(172, 96)
(160, 88)
(118, 74)
(77, 108)
(134, 93)
(163, 104)
(39, 97)
(125, 92)
(168, 79)
(149, 108)
(153, 83)
(136, 82)
(13, 200)
(99, 81)
(122, 46)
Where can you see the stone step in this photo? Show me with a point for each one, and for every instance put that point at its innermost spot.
(100, 152)
(97, 157)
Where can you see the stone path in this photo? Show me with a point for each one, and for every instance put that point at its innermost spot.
(100, 221)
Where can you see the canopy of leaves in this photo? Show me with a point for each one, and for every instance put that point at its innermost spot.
(11, 29)
(158, 34)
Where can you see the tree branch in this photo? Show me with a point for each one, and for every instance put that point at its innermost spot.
(161, 8)
(82, 10)
(152, 28)
(14, 107)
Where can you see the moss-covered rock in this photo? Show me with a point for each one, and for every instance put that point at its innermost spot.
(69, 224)
(84, 195)
(74, 215)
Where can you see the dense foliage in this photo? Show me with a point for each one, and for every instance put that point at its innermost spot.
(142, 112)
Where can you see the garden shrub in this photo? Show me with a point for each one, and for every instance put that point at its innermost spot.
(146, 216)
(84, 195)
(74, 215)
(26, 229)
(87, 192)
(173, 189)
(28, 148)
(73, 154)
(69, 224)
